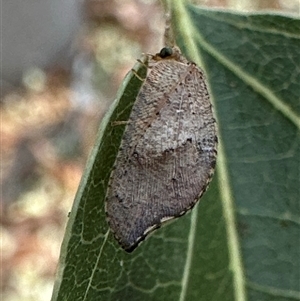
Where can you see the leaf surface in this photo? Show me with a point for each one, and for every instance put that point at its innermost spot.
(242, 241)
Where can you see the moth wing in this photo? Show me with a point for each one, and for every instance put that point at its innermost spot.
(168, 163)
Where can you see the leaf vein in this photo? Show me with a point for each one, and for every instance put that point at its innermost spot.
(274, 291)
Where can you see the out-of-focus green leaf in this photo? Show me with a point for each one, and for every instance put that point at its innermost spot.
(242, 241)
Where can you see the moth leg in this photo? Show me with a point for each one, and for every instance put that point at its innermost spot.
(116, 123)
(144, 63)
(135, 73)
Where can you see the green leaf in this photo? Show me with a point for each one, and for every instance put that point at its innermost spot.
(242, 241)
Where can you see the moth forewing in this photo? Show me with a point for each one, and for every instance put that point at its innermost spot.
(168, 150)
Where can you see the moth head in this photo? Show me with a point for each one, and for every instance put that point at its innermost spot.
(168, 53)
(165, 52)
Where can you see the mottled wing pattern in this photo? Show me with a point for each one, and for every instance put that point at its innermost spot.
(167, 154)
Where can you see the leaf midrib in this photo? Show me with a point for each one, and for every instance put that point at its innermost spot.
(189, 255)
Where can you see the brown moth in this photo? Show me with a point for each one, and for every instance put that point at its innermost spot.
(168, 152)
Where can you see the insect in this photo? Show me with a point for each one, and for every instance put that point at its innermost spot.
(168, 151)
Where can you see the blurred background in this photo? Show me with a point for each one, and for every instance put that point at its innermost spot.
(61, 65)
